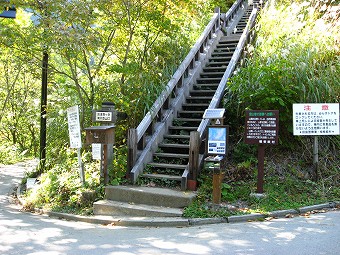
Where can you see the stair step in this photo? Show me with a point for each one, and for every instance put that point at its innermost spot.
(187, 119)
(201, 106)
(185, 137)
(171, 155)
(163, 176)
(115, 208)
(219, 59)
(183, 128)
(149, 196)
(218, 64)
(174, 145)
(170, 166)
(191, 112)
(212, 74)
(206, 85)
(205, 80)
(227, 44)
(222, 52)
(205, 92)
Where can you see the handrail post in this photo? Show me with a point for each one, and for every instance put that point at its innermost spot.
(132, 150)
(194, 147)
(218, 10)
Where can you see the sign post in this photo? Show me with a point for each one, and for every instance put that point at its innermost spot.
(315, 120)
(75, 136)
(262, 128)
(216, 149)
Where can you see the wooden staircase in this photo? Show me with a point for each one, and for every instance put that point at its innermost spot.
(171, 158)
(159, 148)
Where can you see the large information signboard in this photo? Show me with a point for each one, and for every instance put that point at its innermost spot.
(262, 127)
(316, 119)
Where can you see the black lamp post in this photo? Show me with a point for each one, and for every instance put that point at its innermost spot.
(10, 12)
(43, 111)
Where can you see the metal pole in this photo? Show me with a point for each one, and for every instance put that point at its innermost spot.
(316, 158)
(43, 111)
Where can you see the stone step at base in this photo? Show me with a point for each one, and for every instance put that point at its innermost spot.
(116, 208)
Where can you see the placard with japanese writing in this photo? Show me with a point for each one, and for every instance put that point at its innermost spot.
(103, 116)
(97, 151)
(316, 119)
(74, 127)
(262, 127)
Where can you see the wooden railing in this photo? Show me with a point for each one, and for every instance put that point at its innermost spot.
(144, 139)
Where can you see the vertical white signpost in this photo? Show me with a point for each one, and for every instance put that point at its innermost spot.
(315, 120)
(75, 136)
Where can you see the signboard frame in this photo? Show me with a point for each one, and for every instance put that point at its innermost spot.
(217, 140)
(262, 127)
(316, 119)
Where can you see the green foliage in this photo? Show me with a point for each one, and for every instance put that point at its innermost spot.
(118, 51)
(283, 190)
(60, 188)
(297, 63)
(10, 154)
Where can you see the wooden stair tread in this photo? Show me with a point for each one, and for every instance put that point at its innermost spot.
(184, 128)
(163, 176)
(170, 155)
(166, 165)
(177, 136)
(174, 145)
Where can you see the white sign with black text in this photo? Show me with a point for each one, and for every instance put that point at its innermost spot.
(316, 119)
(74, 127)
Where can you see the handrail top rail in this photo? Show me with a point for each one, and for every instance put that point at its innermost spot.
(233, 8)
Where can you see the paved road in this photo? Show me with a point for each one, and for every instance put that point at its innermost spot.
(25, 233)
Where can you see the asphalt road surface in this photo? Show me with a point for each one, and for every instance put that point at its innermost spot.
(26, 233)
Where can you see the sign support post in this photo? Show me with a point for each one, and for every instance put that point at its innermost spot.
(75, 137)
(316, 157)
(262, 128)
(216, 148)
(260, 167)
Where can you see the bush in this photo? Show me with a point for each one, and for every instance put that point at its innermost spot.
(60, 189)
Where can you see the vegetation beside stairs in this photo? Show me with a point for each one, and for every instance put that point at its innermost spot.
(287, 66)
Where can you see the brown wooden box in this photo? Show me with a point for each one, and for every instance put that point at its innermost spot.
(100, 134)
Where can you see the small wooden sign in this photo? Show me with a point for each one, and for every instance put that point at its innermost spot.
(262, 127)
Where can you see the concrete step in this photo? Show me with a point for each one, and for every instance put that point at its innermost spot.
(116, 208)
(150, 196)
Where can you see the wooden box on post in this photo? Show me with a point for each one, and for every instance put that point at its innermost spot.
(100, 134)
